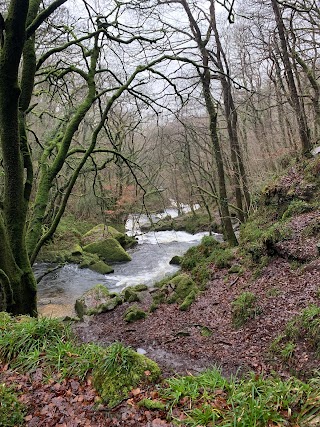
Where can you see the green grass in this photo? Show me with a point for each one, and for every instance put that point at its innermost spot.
(209, 399)
(244, 307)
(28, 343)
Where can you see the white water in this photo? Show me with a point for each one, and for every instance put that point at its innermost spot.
(150, 263)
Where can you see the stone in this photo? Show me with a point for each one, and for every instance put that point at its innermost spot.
(95, 301)
(101, 267)
(109, 250)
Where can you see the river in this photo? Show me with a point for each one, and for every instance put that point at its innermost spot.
(58, 290)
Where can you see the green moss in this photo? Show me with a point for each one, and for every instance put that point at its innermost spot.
(201, 275)
(206, 332)
(140, 288)
(296, 207)
(101, 267)
(11, 410)
(130, 295)
(152, 405)
(222, 257)
(109, 249)
(100, 232)
(120, 371)
(134, 313)
(235, 268)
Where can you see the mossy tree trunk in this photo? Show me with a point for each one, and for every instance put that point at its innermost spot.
(17, 281)
(15, 269)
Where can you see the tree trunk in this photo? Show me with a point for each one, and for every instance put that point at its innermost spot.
(15, 271)
(295, 99)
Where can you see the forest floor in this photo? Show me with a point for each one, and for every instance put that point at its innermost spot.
(289, 283)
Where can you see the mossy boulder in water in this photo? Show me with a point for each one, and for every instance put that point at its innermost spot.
(101, 267)
(109, 250)
(101, 232)
(96, 300)
(121, 370)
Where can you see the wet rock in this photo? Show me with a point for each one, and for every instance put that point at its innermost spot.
(176, 260)
(96, 300)
(101, 232)
(109, 250)
(101, 267)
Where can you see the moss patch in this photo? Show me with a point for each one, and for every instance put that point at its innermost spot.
(109, 249)
(122, 370)
(101, 267)
(134, 313)
(179, 289)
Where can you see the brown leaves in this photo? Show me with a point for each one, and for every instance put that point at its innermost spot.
(71, 403)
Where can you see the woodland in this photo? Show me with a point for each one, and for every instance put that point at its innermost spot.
(114, 107)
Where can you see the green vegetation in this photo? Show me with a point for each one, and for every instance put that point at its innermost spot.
(244, 308)
(210, 399)
(305, 325)
(120, 370)
(134, 313)
(11, 411)
(152, 405)
(179, 289)
(27, 343)
(296, 207)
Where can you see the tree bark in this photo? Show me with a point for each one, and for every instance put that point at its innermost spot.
(297, 104)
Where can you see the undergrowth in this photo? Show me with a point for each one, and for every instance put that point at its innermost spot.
(210, 399)
(28, 343)
(11, 410)
(305, 325)
(244, 307)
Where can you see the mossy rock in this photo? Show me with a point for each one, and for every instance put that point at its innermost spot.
(95, 301)
(77, 250)
(101, 267)
(140, 288)
(179, 289)
(130, 295)
(88, 259)
(109, 250)
(134, 313)
(188, 300)
(101, 232)
(122, 370)
(175, 260)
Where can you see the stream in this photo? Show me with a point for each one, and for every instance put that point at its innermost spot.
(58, 290)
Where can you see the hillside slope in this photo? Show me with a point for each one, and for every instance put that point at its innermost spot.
(277, 261)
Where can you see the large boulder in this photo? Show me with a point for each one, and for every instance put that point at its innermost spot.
(101, 232)
(109, 250)
(95, 301)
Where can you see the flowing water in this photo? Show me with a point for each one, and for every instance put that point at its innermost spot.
(58, 290)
